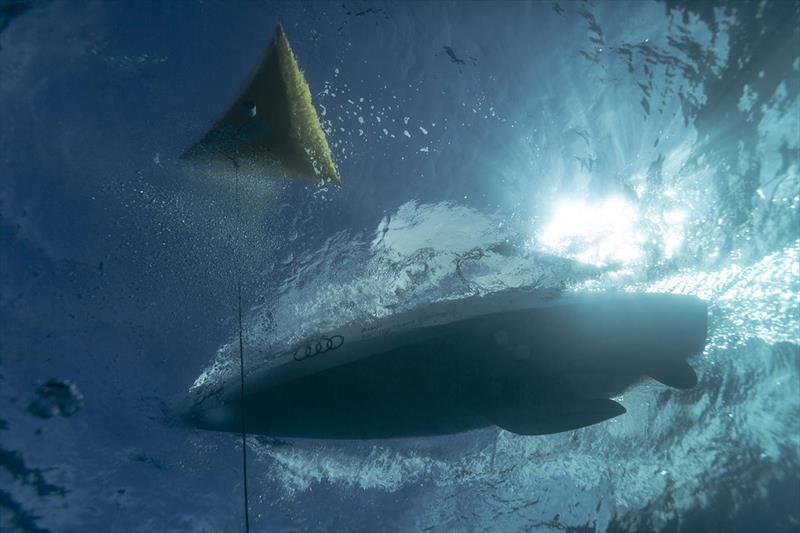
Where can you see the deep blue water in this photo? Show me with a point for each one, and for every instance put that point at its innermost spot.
(649, 146)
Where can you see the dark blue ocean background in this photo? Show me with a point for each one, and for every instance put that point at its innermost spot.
(647, 146)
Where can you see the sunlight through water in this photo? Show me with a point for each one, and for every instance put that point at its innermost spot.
(601, 234)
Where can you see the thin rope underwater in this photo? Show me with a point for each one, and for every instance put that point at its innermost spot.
(241, 351)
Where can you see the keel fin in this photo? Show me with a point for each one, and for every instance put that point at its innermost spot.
(553, 417)
(676, 374)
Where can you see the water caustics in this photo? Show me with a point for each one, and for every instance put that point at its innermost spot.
(639, 239)
(529, 170)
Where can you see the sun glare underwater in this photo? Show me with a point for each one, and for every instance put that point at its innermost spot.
(402, 266)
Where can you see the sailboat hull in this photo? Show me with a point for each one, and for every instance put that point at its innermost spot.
(452, 367)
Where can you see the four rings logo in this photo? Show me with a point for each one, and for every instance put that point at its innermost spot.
(314, 348)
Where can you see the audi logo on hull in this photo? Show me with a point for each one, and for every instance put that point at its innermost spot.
(320, 346)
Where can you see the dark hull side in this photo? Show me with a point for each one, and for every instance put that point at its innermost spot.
(532, 371)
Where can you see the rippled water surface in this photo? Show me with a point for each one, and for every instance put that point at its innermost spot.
(571, 146)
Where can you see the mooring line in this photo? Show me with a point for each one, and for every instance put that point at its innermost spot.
(241, 350)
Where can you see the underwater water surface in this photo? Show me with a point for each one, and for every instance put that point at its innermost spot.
(649, 146)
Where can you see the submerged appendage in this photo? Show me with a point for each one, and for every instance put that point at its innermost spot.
(272, 128)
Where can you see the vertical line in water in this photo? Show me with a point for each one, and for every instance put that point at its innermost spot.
(241, 350)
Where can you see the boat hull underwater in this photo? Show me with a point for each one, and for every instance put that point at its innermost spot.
(527, 364)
